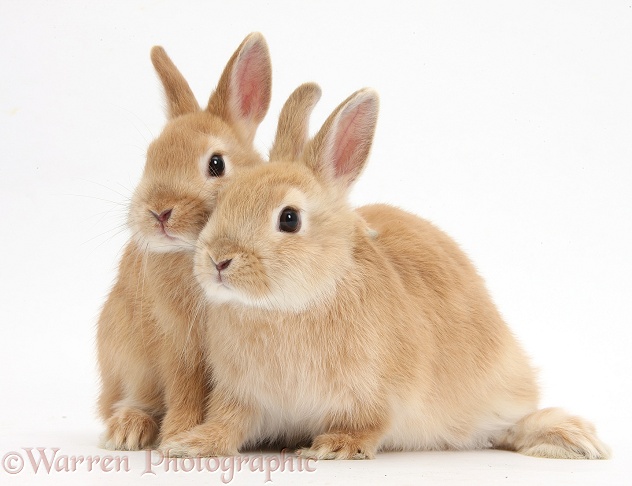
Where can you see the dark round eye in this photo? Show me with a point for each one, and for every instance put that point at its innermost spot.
(290, 220)
(216, 165)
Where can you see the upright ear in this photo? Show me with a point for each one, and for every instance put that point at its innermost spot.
(243, 93)
(180, 99)
(293, 128)
(341, 147)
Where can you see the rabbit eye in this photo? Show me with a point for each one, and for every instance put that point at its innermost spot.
(216, 165)
(289, 220)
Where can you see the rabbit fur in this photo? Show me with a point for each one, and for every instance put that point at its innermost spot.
(355, 330)
(150, 331)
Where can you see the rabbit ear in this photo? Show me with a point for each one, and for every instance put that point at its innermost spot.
(180, 99)
(243, 93)
(293, 128)
(341, 147)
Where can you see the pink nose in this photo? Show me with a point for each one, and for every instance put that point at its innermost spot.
(223, 265)
(164, 216)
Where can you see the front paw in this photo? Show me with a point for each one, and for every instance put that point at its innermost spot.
(338, 446)
(173, 427)
(130, 429)
(199, 442)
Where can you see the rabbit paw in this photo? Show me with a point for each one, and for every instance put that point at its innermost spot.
(573, 439)
(130, 429)
(173, 425)
(551, 432)
(199, 442)
(337, 446)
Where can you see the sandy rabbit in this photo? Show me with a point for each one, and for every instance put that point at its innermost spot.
(353, 331)
(149, 336)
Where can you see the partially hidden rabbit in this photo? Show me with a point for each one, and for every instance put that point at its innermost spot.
(354, 331)
(149, 334)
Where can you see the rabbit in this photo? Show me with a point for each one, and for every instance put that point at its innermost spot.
(150, 330)
(353, 331)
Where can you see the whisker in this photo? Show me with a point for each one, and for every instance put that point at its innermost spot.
(126, 197)
(135, 127)
(127, 189)
(96, 199)
(117, 230)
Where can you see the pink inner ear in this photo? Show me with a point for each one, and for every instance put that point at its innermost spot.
(351, 138)
(252, 83)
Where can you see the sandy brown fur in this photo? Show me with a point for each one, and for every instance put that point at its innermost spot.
(151, 329)
(366, 330)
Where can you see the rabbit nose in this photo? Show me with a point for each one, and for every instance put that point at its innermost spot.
(223, 265)
(164, 216)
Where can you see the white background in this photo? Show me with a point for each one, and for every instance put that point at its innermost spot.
(508, 124)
